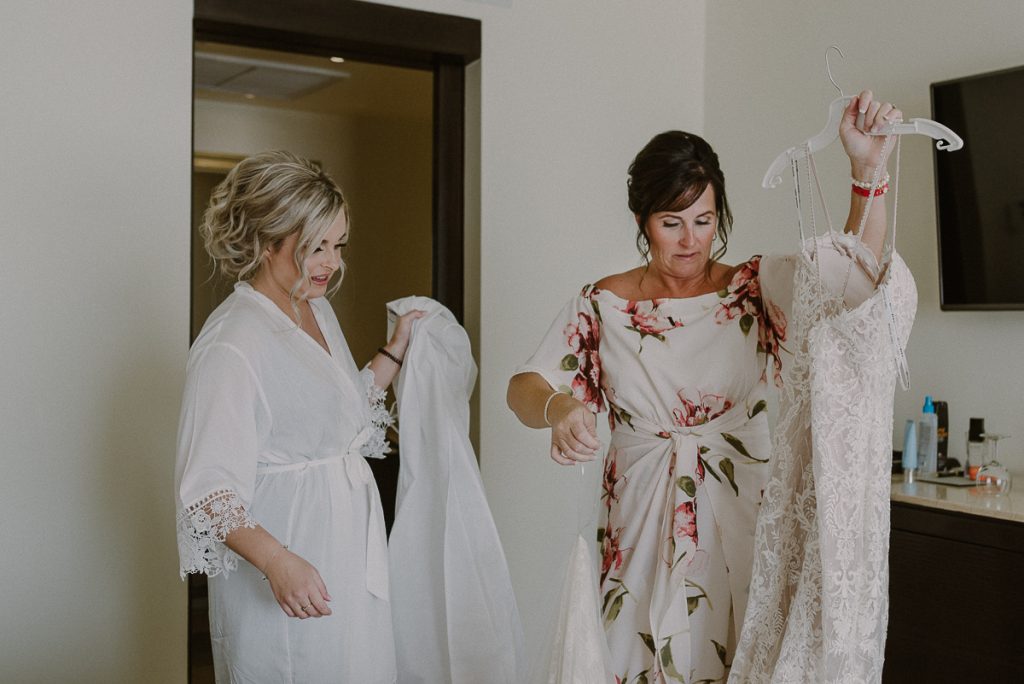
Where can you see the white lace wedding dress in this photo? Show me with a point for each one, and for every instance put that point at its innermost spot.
(818, 605)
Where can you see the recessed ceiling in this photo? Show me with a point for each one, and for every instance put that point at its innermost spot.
(274, 80)
(269, 78)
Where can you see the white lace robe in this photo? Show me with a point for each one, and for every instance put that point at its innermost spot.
(273, 432)
(819, 600)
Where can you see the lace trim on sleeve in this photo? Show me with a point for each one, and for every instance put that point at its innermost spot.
(380, 417)
(202, 528)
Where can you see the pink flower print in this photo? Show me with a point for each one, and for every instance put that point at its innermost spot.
(705, 408)
(684, 521)
(742, 299)
(771, 333)
(584, 340)
(611, 479)
(647, 321)
(612, 555)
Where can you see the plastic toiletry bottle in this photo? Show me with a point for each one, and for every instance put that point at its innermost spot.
(975, 448)
(927, 438)
(909, 461)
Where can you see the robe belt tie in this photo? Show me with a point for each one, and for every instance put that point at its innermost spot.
(668, 611)
(358, 472)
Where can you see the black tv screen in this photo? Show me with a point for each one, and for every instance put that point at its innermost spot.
(980, 191)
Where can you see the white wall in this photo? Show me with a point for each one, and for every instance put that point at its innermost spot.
(94, 187)
(767, 90)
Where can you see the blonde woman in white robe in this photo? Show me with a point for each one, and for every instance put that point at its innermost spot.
(276, 503)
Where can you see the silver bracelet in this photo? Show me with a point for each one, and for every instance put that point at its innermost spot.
(548, 404)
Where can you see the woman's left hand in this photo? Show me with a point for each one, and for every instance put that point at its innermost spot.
(866, 114)
(399, 341)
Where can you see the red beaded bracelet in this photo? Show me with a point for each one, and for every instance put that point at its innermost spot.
(866, 192)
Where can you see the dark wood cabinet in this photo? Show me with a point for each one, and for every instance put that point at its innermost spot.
(956, 598)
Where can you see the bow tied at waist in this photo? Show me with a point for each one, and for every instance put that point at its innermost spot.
(358, 473)
(671, 461)
(640, 429)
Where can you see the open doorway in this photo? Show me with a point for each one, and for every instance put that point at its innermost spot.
(375, 95)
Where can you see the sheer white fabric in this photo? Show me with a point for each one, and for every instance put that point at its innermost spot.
(579, 652)
(453, 608)
(818, 605)
(273, 432)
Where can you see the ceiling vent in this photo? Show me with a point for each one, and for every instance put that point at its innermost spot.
(261, 78)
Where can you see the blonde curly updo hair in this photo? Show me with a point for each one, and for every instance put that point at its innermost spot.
(263, 200)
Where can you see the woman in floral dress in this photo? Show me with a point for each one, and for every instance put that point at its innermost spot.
(680, 353)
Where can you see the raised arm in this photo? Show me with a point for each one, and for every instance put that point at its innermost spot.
(866, 152)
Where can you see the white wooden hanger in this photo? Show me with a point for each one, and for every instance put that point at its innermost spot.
(947, 139)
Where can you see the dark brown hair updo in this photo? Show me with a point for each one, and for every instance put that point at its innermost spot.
(669, 174)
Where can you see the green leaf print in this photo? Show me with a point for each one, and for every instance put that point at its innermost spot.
(723, 293)
(703, 449)
(615, 609)
(729, 470)
(600, 535)
(746, 321)
(648, 642)
(708, 468)
(720, 650)
(761, 405)
(617, 596)
(668, 668)
(623, 417)
(687, 484)
(642, 678)
(736, 444)
(692, 602)
(597, 310)
(569, 363)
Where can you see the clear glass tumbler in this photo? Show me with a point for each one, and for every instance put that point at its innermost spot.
(993, 477)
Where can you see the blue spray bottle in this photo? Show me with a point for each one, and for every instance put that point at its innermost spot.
(928, 438)
(909, 461)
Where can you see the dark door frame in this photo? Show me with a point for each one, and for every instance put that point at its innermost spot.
(367, 32)
(380, 34)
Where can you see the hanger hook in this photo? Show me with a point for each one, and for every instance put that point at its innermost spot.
(828, 67)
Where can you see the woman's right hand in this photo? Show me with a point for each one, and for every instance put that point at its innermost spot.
(297, 586)
(573, 431)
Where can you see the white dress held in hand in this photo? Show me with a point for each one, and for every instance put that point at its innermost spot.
(819, 599)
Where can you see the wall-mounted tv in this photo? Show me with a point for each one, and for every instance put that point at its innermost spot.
(980, 191)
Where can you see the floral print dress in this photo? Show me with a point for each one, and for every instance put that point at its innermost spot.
(683, 381)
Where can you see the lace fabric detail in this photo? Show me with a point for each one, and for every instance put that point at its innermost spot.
(381, 418)
(818, 606)
(202, 528)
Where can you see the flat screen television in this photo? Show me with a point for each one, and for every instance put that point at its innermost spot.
(980, 191)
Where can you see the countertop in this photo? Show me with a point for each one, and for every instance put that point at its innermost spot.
(963, 499)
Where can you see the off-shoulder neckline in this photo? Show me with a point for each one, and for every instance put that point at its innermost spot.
(593, 290)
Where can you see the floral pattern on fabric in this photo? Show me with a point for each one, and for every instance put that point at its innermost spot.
(583, 337)
(686, 467)
(742, 299)
(698, 411)
(380, 417)
(202, 528)
(647, 321)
